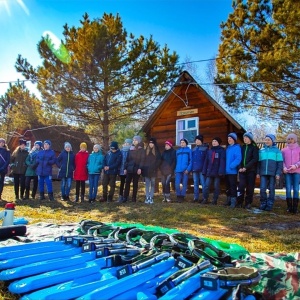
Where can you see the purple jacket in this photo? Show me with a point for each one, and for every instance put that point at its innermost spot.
(291, 156)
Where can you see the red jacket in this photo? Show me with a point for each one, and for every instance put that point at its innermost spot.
(81, 172)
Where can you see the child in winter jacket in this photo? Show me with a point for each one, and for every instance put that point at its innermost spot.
(182, 169)
(213, 169)
(291, 170)
(94, 166)
(66, 164)
(198, 158)
(270, 164)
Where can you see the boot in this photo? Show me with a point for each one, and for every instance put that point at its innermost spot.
(109, 198)
(120, 200)
(295, 205)
(269, 205)
(77, 198)
(239, 201)
(232, 202)
(124, 199)
(42, 196)
(50, 195)
(289, 202)
(263, 204)
(82, 197)
(215, 201)
(228, 201)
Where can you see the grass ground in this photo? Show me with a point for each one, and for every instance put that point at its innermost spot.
(276, 231)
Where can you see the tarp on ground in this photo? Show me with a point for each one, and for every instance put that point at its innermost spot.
(280, 271)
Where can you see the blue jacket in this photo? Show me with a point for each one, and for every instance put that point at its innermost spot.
(66, 164)
(112, 160)
(233, 158)
(198, 157)
(214, 164)
(45, 159)
(4, 160)
(31, 163)
(183, 159)
(270, 161)
(95, 163)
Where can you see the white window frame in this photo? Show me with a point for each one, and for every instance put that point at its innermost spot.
(186, 120)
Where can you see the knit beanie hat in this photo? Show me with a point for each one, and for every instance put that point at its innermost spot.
(67, 144)
(39, 143)
(2, 140)
(272, 137)
(233, 136)
(185, 140)
(97, 146)
(249, 135)
(83, 145)
(128, 141)
(137, 138)
(218, 140)
(47, 142)
(169, 143)
(293, 136)
(22, 142)
(152, 140)
(114, 145)
(199, 137)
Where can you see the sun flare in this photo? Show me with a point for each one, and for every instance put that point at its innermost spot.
(8, 6)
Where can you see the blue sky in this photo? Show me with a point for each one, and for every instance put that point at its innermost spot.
(189, 27)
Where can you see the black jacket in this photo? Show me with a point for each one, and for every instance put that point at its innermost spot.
(135, 159)
(249, 157)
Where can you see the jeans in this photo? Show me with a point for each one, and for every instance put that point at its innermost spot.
(80, 185)
(267, 182)
(231, 185)
(27, 185)
(150, 185)
(65, 186)
(109, 180)
(48, 181)
(122, 184)
(246, 182)
(2, 177)
(165, 182)
(292, 183)
(208, 181)
(93, 182)
(198, 178)
(181, 178)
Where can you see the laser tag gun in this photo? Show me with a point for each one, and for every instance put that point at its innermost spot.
(130, 269)
(93, 246)
(181, 275)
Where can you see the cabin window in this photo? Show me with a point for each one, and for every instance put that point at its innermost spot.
(187, 129)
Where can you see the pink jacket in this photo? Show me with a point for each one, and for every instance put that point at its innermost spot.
(291, 156)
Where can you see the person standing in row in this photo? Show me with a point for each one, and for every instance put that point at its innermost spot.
(214, 169)
(270, 165)
(133, 167)
(247, 171)
(167, 166)
(95, 166)
(150, 166)
(45, 159)
(291, 170)
(233, 160)
(18, 166)
(66, 163)
(81, 172)
(112, 162)
(124, 152)
(182, 169)
(198, 157)
(4, 162)
(30, 173)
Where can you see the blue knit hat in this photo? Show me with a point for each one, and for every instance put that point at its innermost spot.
(249, 135)
(233, 136)
(272, 137)
(47, 142)
(137, 138)
(40, 143)
(67, 144)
